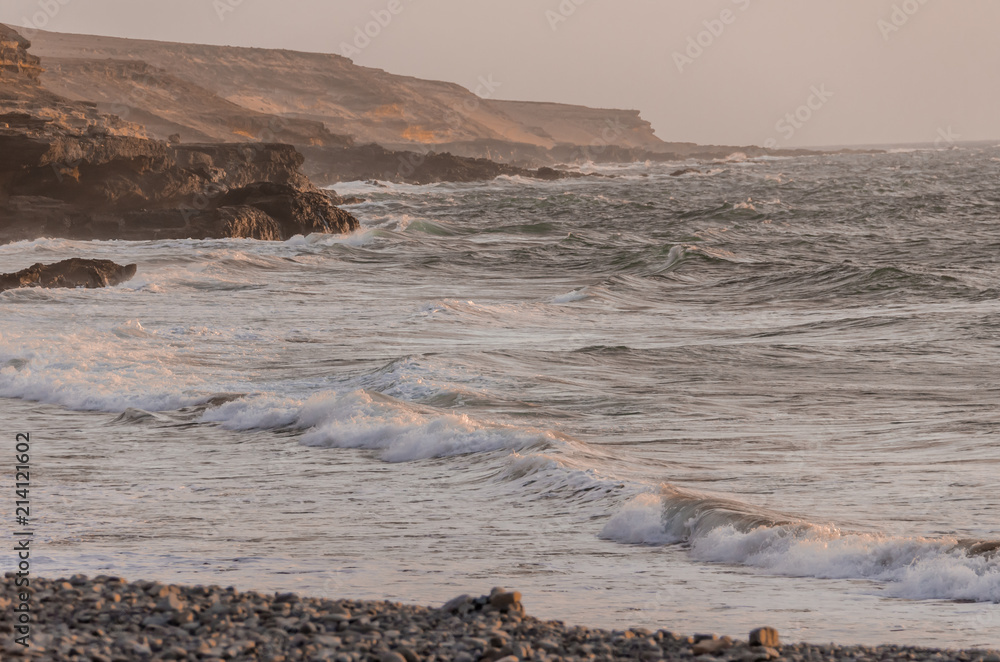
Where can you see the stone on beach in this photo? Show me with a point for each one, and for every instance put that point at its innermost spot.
(504, 600)
(767, 637)
(109, 619)
(712, 646)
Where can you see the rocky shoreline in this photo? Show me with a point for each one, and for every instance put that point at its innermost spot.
(67, 170)
(106, 619)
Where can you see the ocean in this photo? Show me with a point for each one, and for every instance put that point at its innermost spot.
(763, 393)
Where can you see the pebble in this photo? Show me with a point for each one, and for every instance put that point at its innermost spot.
(712, 646)
(152, 621)
(505, 601)
(767, 637)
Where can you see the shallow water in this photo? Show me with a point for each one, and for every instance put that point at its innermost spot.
(764, 394)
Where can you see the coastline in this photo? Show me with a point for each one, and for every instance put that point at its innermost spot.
(108, 618)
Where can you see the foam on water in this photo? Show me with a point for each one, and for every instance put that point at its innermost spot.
(360, 419)
(106, 370)
(726, 531)
(564, 348)
(570, 297)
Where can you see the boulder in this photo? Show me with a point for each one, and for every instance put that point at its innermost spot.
(296, 211)
(245, 222)
(75, 272)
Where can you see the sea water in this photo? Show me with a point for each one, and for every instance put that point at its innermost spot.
(763, 393)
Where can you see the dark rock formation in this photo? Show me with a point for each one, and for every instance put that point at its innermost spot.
(684, 171)
(68, 171)
(549, 174)
(234, 165)
(326, 165)
(338, 199)
(247, 222)
(294, 210)
(75, 272)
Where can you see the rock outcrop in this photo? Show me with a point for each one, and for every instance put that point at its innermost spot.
(67, 170)
(75, 272)
(15, 61)
(364, 162)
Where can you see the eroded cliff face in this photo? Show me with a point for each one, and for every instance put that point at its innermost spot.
(171, 106)
(15, 61)
(68, 170)
(166, 82)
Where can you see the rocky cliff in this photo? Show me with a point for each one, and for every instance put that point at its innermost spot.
(15, 61)
(351, 122)
(205, 92)
(69, 170)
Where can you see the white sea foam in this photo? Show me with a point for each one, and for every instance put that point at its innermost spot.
(420, 378)
(576, 295)
(363, 236)
(639, 522)
(97, 377)
(362, 419)
(112, 365)
(131, 329)
(674, 259)
(735, 157)
(721, 531)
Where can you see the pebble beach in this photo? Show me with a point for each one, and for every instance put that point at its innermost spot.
(107, 619)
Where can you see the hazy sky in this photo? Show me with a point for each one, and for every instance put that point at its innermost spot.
(874, 71)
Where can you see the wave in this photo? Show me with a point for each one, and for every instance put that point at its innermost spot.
(858, 281)
(363, 419)
(99, 375)
(725, 531)
(580, 294)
